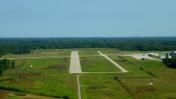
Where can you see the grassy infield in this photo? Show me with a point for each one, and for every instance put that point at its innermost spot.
(50, 77)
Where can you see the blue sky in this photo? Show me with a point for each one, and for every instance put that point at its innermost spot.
(87, 18)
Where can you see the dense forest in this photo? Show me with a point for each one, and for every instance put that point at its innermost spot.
(25, 45)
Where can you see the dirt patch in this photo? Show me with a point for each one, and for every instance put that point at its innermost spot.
(108, 93)
(145, 89)
(19, 63)
(3, 94)
(88, 61)
(20, 94)
(12, 81)
(28, 75)
(60, 67)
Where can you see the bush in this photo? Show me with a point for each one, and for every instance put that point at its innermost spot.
(116, 78)
(1, 71)
(66, 97)
(170, 62)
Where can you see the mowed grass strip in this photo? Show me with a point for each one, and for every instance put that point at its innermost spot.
(88, 53)
(48, 77)
(101, 86)
(97, 64)
(43, 53)
(132, 65)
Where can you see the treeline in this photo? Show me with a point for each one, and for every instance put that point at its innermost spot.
(6, 64)
(25, 45)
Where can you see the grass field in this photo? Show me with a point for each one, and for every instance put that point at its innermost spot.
(42, 53)
(88, 53)
(49, 78)
(131, 64)
(102, 86)
(137, 81)
(97, 64)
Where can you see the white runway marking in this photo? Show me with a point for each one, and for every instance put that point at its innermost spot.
(75, 66)
(113, 62)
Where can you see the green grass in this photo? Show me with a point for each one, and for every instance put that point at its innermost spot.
(48, 77)
(94, 49)
(97, 64)
(102, 86)
(110, 51)
(88, 53)
(43, 53)
(4, 94)
(163, 87)
(137, 80)
(131, 64)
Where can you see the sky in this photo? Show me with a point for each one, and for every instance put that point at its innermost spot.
(87, 18)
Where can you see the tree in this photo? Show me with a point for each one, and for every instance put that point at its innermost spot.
(170, 62)
(166, 59)
(13, 64)
(167, 56)
(1, 70)
(5, 64)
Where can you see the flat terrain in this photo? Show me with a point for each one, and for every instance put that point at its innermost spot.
(48, 77)
(44, 74)
(97, 64)
(102, 86)
(113, 62)
(88, 53)
(43, 53)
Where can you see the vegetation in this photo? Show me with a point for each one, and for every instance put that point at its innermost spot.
(20, 46)
(102, 86)
(6, 64)
(44, 77)
(87, 53)
(40, 53)
(170, 62)
(146, 78)
(97, 64)
(37, 76)
(132, 65)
